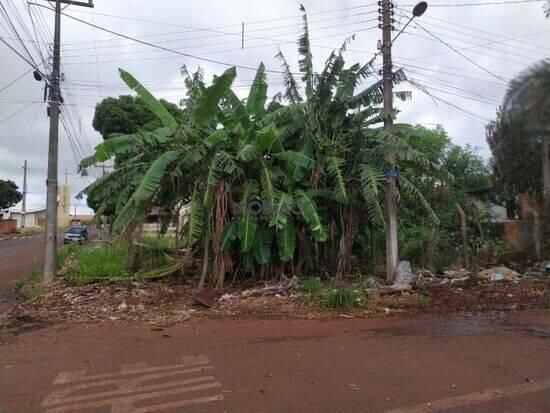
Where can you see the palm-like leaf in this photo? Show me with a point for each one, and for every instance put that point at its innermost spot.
(286, 241)
(258, 93)
(195, 221)
(335, 167)
(371, 180)
(309, 212)
(153, 104)
(207, 106)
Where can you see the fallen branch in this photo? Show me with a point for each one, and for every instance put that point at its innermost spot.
(390, 289)
(281, 287)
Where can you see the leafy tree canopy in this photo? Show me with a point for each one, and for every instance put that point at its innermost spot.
(9, 195)
(515, 136)
(129, 114)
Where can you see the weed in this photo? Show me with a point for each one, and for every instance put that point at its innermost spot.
(311, 285)
(422, 301)
(342, 298)
(393, 303)
(64, 252)
(29, 287)
(97, 263)
(422, 289)
(153, 254)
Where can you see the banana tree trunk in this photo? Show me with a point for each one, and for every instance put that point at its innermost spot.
(464, 228)
(546, 169)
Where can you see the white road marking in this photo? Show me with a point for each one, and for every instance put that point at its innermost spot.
(123, 389)
(474, 398)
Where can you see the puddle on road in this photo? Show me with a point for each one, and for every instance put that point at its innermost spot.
(461, 325)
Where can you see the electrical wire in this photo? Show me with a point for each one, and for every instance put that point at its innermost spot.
(16, 80)
(461, 54)
(490, 3)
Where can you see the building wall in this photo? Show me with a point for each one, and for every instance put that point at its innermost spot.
(63, 206)
(7, 226)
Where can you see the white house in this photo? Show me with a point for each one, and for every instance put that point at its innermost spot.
(37, 217)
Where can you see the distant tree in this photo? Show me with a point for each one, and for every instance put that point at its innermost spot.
(9, 195)
(519, 136)
(129, 114)
(547, 8)
(421, 242)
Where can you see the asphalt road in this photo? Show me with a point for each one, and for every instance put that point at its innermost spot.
(18, 257)
(453, 363)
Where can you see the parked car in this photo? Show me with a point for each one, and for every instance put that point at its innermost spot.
(76, 234)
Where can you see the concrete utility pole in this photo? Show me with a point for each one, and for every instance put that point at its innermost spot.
(103, 233)
(392, 251)
(50, 249)
(24, 205)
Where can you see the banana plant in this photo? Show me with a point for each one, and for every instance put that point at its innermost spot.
(264, 182)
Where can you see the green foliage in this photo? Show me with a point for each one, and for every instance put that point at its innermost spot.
(515, 136)
(264, 184)
(393, 303)
(31, 286)
(433, 241)
(311, 285)
(65, 252)
(9, 195)
(92, 264)
(154, 105)
(343, 298)
(129, 114)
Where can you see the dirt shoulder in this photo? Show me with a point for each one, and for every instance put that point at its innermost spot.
(171, 301)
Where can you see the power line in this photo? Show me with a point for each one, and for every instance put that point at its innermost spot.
(490, 3)
(237, 34)
(425, 89)
(16, 80)
(18, 111)
(166, 49)
(269, 38)
(461, 54)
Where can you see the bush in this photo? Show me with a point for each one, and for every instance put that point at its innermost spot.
(343, 298)
(97, 263)
(311, 285)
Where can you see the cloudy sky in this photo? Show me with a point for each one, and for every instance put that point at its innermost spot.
(491, 42)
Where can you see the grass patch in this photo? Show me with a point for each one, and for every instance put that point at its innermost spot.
(393, 303)
(343, 298)
(311, 285)
(31, 286)
(422, 301)
(65, 252)
(159, 242)
(32, 230)
(153, 255)
(96, 264)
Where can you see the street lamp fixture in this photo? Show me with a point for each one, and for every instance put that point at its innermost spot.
(418, 11)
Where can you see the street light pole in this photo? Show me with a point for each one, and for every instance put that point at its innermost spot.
(392, 248)
(50, 250)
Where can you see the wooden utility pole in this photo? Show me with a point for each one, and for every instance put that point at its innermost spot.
(24, 205)
(392, 251)
(50, 249)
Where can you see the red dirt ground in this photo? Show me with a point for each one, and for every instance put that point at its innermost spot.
(462, 362)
